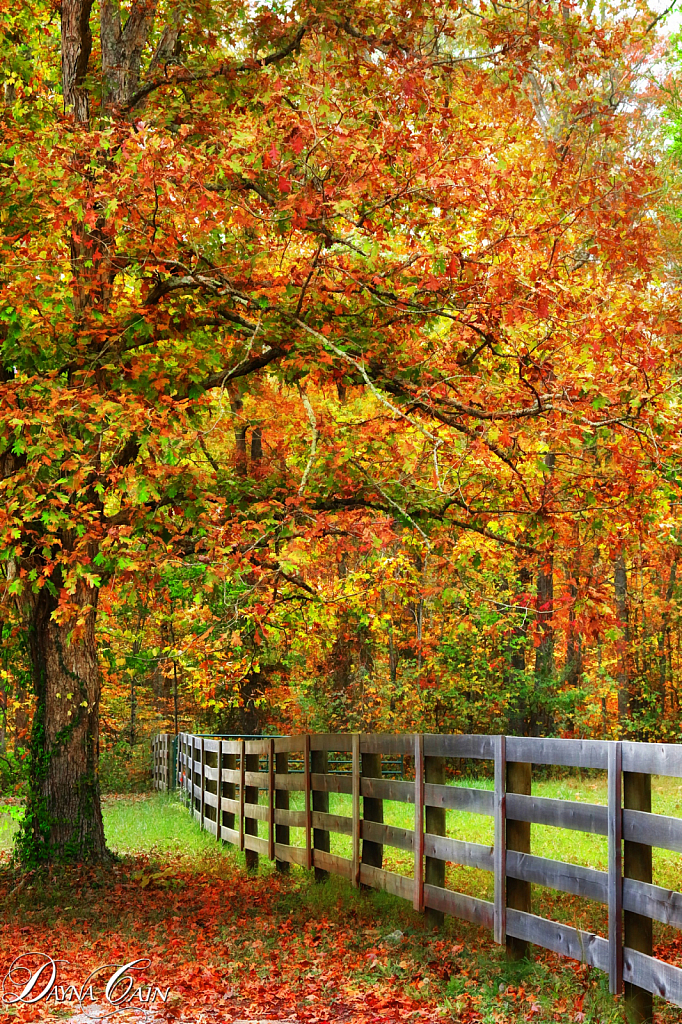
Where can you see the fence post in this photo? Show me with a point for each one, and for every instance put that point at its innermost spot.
(500, 849)
(615, 881)
(308, 808)
(191, 777)
(434, 872)
(372, 810)
(251, 824)
(230, 792)
(638, 930)
(242, 771)
(519, 780)
(182, 760)
(219, 796)
(319, 762)
(418, 898)
(203, 782)
(282, 803)
(356, 809)
(271, 800)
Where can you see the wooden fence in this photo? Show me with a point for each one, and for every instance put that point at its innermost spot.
(222, 779)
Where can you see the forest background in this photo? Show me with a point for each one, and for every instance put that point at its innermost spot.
(348, 378)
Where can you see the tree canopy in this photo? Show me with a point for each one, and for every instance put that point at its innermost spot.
(340, 349)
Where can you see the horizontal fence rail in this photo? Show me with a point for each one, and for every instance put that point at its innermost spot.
(223, 780)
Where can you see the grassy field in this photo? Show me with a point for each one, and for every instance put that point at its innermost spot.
(177, 891)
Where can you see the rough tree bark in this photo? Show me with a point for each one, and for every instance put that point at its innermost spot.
(63, 816)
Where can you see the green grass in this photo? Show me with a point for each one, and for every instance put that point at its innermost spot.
(163, 824)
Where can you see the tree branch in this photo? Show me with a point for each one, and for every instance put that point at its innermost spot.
(187, 77)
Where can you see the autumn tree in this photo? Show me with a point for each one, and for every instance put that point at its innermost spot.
(220, 219)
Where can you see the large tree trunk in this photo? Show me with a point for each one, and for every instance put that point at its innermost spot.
(63, 814)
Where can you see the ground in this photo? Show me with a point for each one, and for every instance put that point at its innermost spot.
(237, 947)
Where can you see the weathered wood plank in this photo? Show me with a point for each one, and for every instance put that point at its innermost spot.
(255, 812)
(293, 819)
(615, 882)
(229, 835)
(232, 775)
(459, 798)
(653, 901)
(231, 747)
(231, 806)
(573, 753)
(387, 835)
(555, 874)
(389, 789)
(255, 844)
(210, 800)
(331, 783)
(560, 938)
(389, 881)
(454, 851)
(654, 975)
(457, 904)
(291, 854)
(288, 744)
(559, 813)
(500, 847)
(332, 863)
(653, 758)
(211, 745)
(290, 783)
(470, 746)
(331, 742)
(332, 822)
(386, 743)
(653, 829)
(257, 746)
(259, 779)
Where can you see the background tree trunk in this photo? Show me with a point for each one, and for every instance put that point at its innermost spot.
(622, 670)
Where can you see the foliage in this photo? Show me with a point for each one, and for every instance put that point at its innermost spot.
(339, 373)
(125, 769)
